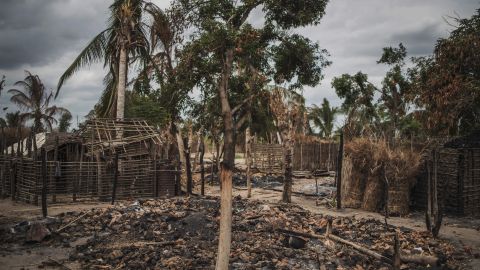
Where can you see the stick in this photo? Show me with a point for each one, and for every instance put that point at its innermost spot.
(340, 240)
(44, 182)
(339, 173)
(115, 179)
(396, 253)
(71, 223)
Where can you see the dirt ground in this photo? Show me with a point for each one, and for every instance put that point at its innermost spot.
(464, 233)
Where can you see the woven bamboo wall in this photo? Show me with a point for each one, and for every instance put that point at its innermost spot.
(21, 179)
(459, 169)
(315, 156)
(268, 158)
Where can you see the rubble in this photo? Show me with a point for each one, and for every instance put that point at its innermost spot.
(37, 233)
(182, 233)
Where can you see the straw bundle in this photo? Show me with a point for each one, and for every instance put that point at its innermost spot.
(367, 165)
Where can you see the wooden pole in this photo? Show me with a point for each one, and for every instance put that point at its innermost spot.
(428, 212)
(44, 181)
(13, 178)
(155, 174)
(115, 179)
(248, 159)
(339, 172)
(202, 165)
(57, 171)
(188, 166)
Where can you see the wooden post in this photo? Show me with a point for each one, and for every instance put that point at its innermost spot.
(57, 171)
(248, 159)
(115, 178)
(434, 215)
(18, 141)
(155, 174)
(428, 212)
(339, 172)
(13, 178)
(188, 166)
(44, 181)
(202, 165)
(99, 177)
(301, 156)
(396, 255)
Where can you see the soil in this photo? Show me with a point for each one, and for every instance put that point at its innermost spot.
(199, 221)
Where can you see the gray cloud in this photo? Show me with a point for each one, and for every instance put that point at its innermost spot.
(46, 36)
(39, 32)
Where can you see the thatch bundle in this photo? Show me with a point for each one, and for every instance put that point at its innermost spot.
(368, 166)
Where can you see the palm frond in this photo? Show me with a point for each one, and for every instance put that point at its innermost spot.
(20, 98)
(94, 52)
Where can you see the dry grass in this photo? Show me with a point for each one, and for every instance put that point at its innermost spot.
(367, 166)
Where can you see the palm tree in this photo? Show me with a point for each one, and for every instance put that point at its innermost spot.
(35, 99)
(14, 119)
(122, 43)
(324, 117)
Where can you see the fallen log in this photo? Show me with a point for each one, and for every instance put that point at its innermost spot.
(418, 259)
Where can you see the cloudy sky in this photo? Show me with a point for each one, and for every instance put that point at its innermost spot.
(44, 37)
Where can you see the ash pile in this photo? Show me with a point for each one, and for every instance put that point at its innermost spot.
(182, 233)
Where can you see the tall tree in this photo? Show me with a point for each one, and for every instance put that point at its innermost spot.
(290, 58)
(65, 122)
(14, 119)
(358, 102)
(395, 86)
(323, 117)
(446, 85)
(122, 43)
(36, 101)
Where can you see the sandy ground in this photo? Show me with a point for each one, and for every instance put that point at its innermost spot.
(464, 232)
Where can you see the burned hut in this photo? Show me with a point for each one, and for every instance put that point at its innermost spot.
(106, 158)
(455, 167)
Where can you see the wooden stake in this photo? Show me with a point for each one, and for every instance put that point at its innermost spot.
(44, 181)
(202, 165)
(339, 172)
(248, 159)
(115, 179)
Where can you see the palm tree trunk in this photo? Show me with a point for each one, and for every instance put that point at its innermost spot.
(225, 237)
(122, 79)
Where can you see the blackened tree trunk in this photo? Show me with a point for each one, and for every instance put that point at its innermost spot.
(188, 167)
(202, 165)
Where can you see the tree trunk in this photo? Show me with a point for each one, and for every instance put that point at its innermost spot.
(248, 159)
(225, 237)
(339, 172)
(202, 165)
(122, 82)
(188, 167)
(217, 157)
(183, 161)
(287, 181)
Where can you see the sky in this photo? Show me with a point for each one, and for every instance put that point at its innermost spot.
(44, 37)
